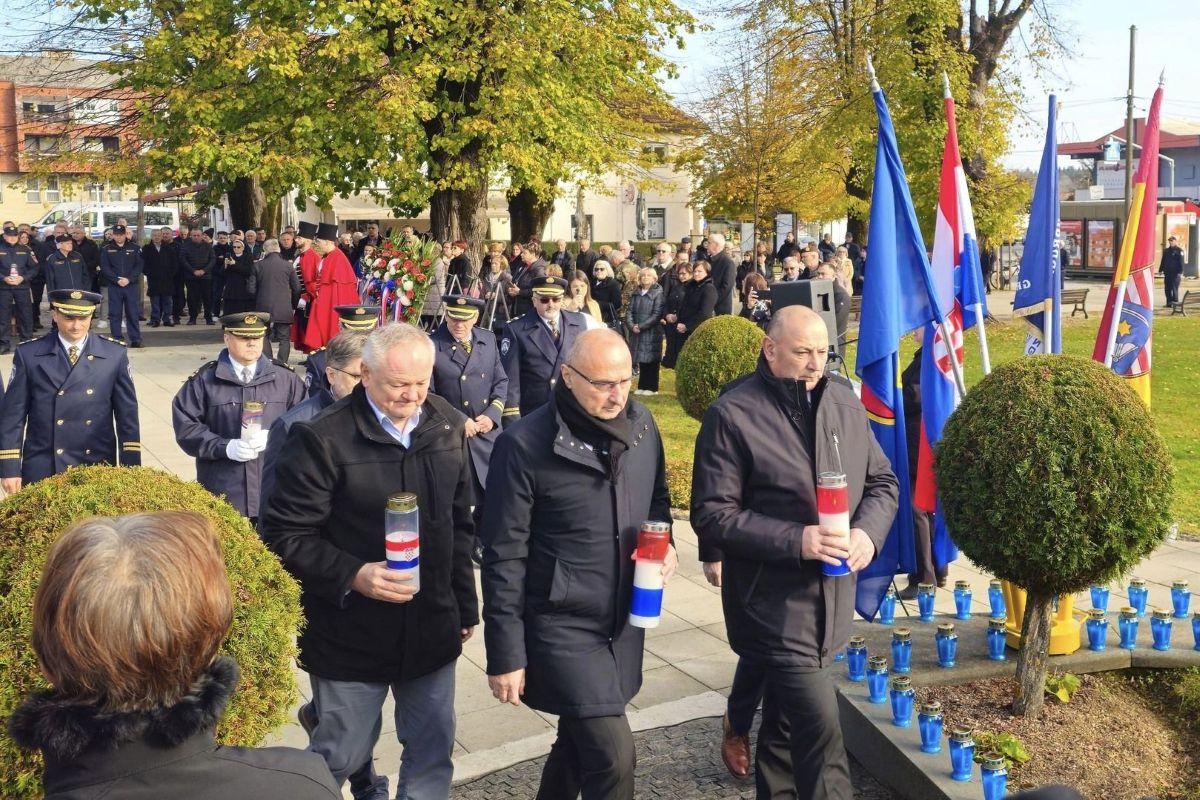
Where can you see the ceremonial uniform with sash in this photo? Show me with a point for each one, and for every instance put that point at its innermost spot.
(351, 318)
(533, 347)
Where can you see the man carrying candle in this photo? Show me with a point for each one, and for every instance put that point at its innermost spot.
(209, 413)
(568, 489)
(370, 631)
(754, 498)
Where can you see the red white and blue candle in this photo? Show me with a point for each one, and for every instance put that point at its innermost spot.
(402, 536)
(833, 514)
(645, 608)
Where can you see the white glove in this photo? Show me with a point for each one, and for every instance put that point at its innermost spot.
(302, 304)
(240, 450)
(259, 440)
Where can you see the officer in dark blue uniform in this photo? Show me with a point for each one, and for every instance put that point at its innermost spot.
(121, 266)
(351, 318)
(65, 268)
(68, 391)
(533, 348)
(207, 412)
(17, 269)
(468, 373)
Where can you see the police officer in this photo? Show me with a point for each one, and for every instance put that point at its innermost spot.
(533, 347)
(207, 411)
(68, 391)
(350, 318)
(121, 267)
(18, 267)
(64, 267)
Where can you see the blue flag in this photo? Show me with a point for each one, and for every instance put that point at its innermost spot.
(898, 297)
(1040, 283)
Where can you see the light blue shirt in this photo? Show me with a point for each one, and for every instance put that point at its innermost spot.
(401, 435)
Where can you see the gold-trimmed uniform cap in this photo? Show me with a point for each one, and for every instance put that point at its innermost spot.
(250, 324)
(357, 318)
(462, 307)
(550, 286)
(74, 302)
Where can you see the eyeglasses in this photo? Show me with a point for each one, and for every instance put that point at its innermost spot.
(604, 386)
(546, 300)
(664, 252)
(356, 375)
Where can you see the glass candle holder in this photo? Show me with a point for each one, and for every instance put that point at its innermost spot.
(1127, 627)
(1099, 597)
(887, 607)
(947, 644)
(902, 695)
(1138, 594)
(997, 639)
(252, 418)
(877, 680)
(962, 754)
(996, 598)
(1181, 599)
(1160, 629)
(653, 544)
(1196, 629)
(856, 659)
(402, 537)
(1097, 630)
(833, 512)
(962, 600)
(993, 774)
(925, 596)
(929, 721)
(901, 650)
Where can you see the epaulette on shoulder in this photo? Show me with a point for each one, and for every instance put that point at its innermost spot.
(203, 367)
(279, 363)
(114, 341)
(517, 317)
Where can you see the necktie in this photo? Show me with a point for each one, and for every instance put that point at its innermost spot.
(467, 346)
(554, 329)
(245, 375)
(73, 354)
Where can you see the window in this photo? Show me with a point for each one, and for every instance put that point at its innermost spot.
(101, 144)
(44, 145)
(97, 111)
(37, 110)
(112, 217)
(656, 152)
(52, 193)
(114, 194)
(95, 192)
(656, 223)
(33, 190)
(159, 219)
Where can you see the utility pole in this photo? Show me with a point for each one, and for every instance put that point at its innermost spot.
(1129, 128)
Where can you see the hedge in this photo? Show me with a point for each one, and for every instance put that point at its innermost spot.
(720, 350)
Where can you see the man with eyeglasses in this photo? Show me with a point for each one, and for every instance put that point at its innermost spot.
(568, 488)
(350, 318)
(533, 347)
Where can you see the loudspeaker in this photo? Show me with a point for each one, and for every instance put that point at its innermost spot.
(816, 294)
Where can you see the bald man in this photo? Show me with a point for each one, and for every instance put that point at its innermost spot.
(568, 487)
(760, 447)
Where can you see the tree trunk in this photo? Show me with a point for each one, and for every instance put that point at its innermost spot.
(246, 202)
(528, 215)
(456, 214)
(1032, 658)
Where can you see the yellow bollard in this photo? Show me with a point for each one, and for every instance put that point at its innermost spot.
(1064, 628)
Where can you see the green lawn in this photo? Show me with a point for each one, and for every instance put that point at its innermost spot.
(1176, 379)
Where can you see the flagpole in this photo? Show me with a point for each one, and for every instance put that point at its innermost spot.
(1047, 325)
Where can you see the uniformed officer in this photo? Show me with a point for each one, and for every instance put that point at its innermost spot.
(467, 372)
(17, 268)
(68, 391)
(64, 267)
(533, 347)
(207, 411)
(350, 318)
(121, 266)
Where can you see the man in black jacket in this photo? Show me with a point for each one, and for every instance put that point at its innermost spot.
(724, 273)
(160, 263)
(586, 259)
(196, 262)
(370, 628)
(568, 487)
(760, 446)
(1171, 267)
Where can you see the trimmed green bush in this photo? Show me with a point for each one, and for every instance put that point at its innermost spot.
(266, 599)
(679, 482)
(720, 350)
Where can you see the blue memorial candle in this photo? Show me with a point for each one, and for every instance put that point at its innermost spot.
(902, 695)
(1160, 629)
(962, 754)
(1097, 629)
(887, 607)
(1181, 599)
(997, 638)
(1099, 597)
(1196, 629)
(929, 721)
(996, 598)
(839, 656)
(947, 644)
(856, 659)
(877, 679)
(1138, 594)
(1127, 627)
(901, 650)
(925, 595)
(962, 600)
(994, 775)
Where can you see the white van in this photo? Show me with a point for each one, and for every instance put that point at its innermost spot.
(61, 212)
(96, 219)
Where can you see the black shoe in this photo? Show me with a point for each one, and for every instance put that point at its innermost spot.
(191, 322)
(307, 717)
(154, 324)
(908, 592)
(136, 344)
(209, 322)
(169, 324)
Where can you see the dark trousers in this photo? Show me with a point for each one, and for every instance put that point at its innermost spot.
(198, 297)
(124, 301)
(38, 285)
(280, 334)
(1171, 284)
(177, 299)
(800, 751)
(160, 307)
(218, 293)
(15, 296)
(749, 683)
(926, 572)
(591, 757)
(648, 375)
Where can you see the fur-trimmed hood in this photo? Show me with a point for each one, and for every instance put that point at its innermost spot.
(63, 729)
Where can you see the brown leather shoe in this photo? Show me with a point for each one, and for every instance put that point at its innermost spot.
(735, 751)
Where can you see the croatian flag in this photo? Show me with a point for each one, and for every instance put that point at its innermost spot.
(959, 288)
(898, 297)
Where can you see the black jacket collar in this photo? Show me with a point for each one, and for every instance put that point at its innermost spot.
(369, 426)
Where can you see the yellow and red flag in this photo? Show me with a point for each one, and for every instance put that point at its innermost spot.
(1125, 345)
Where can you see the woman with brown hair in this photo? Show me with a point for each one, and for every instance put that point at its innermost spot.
(128, 619)
(675, 292)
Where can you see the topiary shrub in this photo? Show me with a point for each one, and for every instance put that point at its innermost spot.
(266, 599)
(679, 482)
(1053, 476)
(720, 350)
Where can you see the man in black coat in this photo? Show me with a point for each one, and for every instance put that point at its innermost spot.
(568, 489)
(562, 257)
(64, 268)
(528, 271)
(160, 264)
(18, 267)
(90, 252)
(787, 248)
(760, 446)
(1171, 267)
(370, 629)
(278, 291)
(724, 274)
(197, 261)
(586, 259)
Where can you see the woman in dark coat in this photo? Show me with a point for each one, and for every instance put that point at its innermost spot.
(494, 283)
(675, 287)
(698, 302)
(606, 291)
(643, 320)
(460, 267)
(239, 280)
